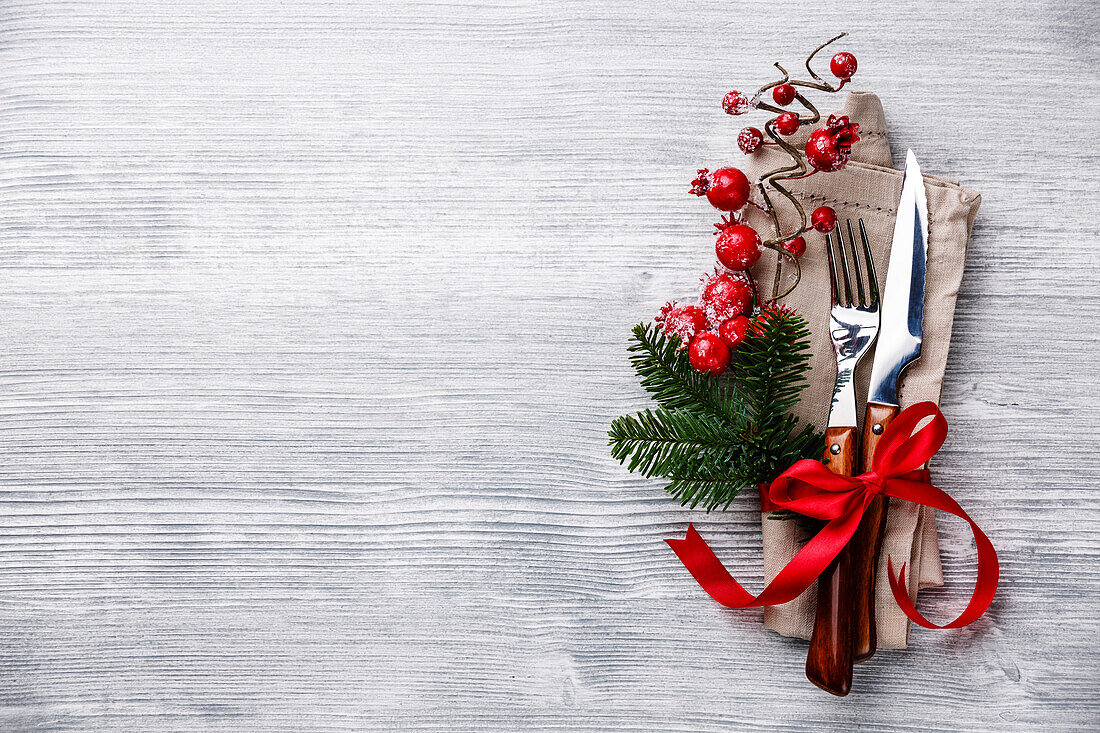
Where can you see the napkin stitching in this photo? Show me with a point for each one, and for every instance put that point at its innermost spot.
(838, 202)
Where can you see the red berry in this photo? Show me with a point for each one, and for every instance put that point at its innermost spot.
(823, 219)
(843, 65)
(822, 152)
(733, 330)
(708, 353)
(738, 247)
(829, 148)
(736, 103)
(796, 246)
(749, 140)
(728, 190)
(787, 123)
(683, 320)
(783, 94)
(726, 295)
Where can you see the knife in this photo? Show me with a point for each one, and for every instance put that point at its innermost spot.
(899, 345)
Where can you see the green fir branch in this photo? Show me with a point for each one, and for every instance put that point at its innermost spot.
(669, 377)
(712, 437)
(660, 441)
(712, 482)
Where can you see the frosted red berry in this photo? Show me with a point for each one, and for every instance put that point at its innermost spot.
(783, 94)
(709, 354)
(823, 219)
(738, 247)
(733, 330)
(822, 153)
(736, 103)
(829, 148)
(796, 246)
(750, 140)
(843, 65)
(787, 123)
(728, 189)
(683, 321)
(726, 295)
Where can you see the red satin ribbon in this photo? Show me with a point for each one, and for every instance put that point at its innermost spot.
(811, 489)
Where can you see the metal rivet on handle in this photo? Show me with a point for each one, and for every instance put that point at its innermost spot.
(877, 428)
(834, 448)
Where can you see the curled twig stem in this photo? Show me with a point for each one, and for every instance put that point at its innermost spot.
(796, 170)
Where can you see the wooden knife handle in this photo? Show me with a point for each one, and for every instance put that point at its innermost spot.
(829, 660)
(866, 544)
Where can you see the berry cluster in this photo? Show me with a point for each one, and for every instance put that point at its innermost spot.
(712, 329)
(715, 326)
(827, 149)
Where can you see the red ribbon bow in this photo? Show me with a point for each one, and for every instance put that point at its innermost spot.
(811, 489)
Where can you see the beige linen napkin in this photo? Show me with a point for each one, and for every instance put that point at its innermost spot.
(866, 188)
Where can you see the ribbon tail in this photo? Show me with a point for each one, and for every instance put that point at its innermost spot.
(795, 577)
(709, 571)
(988, 567)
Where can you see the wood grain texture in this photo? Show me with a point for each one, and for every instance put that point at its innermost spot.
(314, 318)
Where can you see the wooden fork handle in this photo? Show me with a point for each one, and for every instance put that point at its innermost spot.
(866, 544)
(829, 660)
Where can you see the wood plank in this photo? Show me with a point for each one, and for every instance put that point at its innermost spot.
(314, 322)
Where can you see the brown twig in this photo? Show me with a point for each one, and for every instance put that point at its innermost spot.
(796, 170)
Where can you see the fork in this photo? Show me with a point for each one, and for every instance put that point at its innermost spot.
(853, 327)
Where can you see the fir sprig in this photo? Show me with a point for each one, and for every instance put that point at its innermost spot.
(659, 442)
(668, 376)
(713, 437)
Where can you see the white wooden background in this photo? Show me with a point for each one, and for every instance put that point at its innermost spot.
(313, 318)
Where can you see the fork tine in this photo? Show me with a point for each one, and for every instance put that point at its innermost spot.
(832, 268)
(844, 268)
(856, 267)
(872, 278)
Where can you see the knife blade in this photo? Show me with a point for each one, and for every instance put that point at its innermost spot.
(901, 336)
(902, 325)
